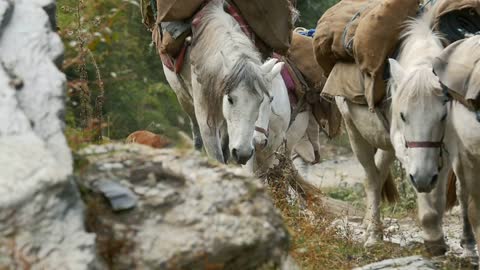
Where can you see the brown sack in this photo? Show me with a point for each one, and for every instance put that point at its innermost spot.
(301, 54)
(176, 10)
(345, 80)
(271, 20)
(458, 68)
(376, 37)
(166, 44)
(329, 35)
(148, 18)
(449, 6)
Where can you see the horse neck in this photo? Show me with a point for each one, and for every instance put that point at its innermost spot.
(223, 37)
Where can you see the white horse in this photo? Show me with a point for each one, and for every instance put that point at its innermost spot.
(222, 84)
(272, 127)
(372, 142)
(423, 117)
(419, 115)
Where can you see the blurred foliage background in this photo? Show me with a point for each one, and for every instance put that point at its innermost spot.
(115, 80)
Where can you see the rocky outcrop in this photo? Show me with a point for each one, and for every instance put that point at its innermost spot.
(41, 215)
(172, 209)
(406, 263)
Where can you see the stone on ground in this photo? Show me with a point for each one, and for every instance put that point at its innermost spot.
(406, 263)
(189, 213)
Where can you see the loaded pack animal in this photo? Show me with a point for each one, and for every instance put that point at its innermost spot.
(446, 128)
(223, 85)
(408, 123)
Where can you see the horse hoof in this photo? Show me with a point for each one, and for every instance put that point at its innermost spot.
(436, 247)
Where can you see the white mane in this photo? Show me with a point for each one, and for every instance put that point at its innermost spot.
(223, 57)
(420, 45)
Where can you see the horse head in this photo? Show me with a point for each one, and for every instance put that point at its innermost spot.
(418, 123)
(246, 107)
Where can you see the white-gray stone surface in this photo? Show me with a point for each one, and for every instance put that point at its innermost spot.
(406, 263)
(190, 214)
(41, 214)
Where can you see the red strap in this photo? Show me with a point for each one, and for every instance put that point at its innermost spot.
(262, 130)
(424, 144)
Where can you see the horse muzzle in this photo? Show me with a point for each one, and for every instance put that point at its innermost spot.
(424, 183)
(242, 157)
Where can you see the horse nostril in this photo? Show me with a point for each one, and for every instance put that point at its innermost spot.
(234, 154)
(434, 179)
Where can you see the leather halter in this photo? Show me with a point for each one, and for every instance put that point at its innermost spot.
(262, 130)
(429, 144)
(426, 144)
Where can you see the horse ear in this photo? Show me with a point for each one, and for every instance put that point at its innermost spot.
(396, 70)
(268, 65)
(277, 68)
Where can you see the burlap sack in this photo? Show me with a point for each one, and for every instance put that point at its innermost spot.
(176, 10)
(375, 40)
(449, 6)
(345, 80)
(458, 68)
(338, 25)
(148, 18)
(271, 20)
(301, 54)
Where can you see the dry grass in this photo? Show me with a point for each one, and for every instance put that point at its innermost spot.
(316, 244)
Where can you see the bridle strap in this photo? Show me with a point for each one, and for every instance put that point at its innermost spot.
(425, 144)
(262, 130)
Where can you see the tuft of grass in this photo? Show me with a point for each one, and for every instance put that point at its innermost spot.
(316, 244)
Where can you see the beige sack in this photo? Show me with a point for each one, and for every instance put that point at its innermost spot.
(271, 20)
(458, 68)
(329, 35)
(176, 10)
(301, 54)
(376, 37)
(345, 80)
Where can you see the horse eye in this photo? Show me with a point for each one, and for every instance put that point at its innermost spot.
(230, 100)
(443, 117)
(271, 99)
(403, 117)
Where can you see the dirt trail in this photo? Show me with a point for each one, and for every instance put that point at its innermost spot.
(340, 169)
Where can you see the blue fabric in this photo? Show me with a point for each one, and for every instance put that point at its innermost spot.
(308, 33)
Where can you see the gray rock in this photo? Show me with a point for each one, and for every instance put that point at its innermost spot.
(41, 214)
(191, 214)
(406, 263)
(120, 197)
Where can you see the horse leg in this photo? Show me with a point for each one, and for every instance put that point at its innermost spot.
(468, 238)
(469, 199)
(431, 208)
(296, 131)
(365, 154)
(211, 135)
(301, 165)
(177, 83)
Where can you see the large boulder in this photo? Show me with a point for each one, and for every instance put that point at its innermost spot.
(42, 224)
(173, 209)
